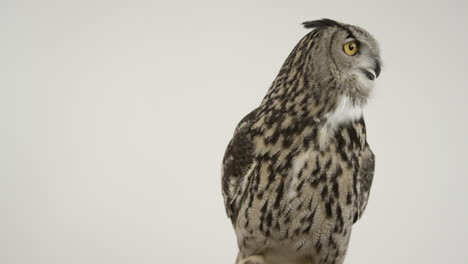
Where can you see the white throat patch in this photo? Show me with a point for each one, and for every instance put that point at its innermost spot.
(345, 112)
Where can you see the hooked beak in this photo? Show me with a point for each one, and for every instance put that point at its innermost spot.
(372, 74)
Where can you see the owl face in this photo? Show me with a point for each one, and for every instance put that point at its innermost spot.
(356, 56)
(347, 54)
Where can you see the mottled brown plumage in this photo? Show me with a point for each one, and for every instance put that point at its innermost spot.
(298, 171)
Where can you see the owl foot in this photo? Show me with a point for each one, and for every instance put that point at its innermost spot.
(256, 259)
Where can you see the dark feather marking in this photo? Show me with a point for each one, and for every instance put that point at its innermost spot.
(324, 23)
(279, 193)
(324, 192)
(328, 209)
(336, 190)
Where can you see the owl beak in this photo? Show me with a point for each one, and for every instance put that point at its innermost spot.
(372, 74)
(377, 68)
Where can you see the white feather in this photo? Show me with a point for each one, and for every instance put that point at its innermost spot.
(346, 111)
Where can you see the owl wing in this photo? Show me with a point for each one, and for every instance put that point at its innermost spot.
(238, 163)
(366, 175)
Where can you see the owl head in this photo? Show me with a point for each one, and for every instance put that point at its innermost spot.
(343, 54)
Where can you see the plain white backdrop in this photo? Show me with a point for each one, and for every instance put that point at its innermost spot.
(114, 117)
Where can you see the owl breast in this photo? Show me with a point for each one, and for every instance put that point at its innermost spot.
(304, 208)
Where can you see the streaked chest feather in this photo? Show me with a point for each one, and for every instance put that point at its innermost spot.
(345, 112)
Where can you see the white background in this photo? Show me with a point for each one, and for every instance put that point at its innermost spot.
(114, 117)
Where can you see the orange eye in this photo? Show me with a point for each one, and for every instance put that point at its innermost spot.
(350, 48)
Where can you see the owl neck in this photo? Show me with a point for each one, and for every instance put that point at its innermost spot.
(294, 92)
(296, 101)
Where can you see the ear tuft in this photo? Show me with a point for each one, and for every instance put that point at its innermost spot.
(325, 22)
